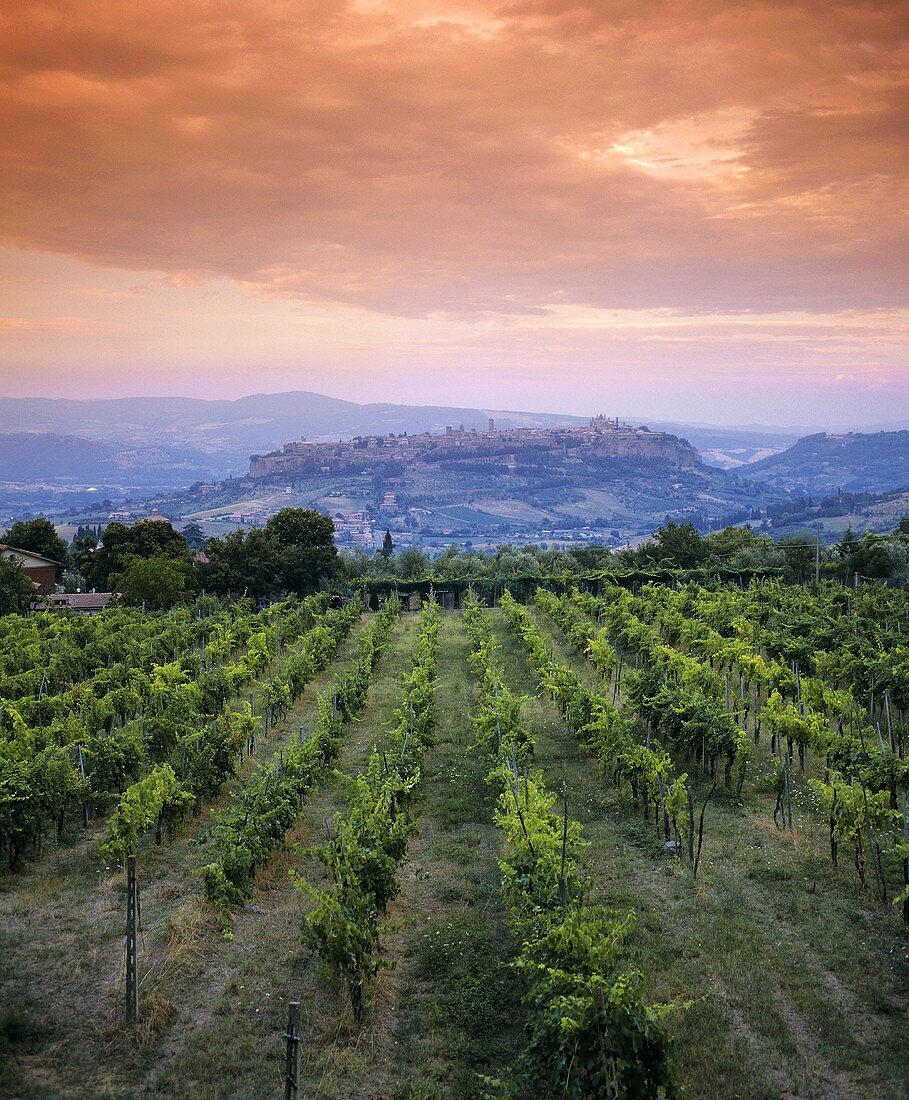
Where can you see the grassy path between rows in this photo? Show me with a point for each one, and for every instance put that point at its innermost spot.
(449, 1009)
(234, 1047)
(798, 978)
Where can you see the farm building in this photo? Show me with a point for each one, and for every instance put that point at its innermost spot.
(41, 571)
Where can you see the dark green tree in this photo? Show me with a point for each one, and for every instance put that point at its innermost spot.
(242, 563)
(306, 548)
(412, 564)
(871, 559)
(157, 583)
(590, 558)
(388, 545)
(799, 551)
(193, 535)
(16, 590)
(146, 538)
(680, 544)
(847, 545)
(38, 535)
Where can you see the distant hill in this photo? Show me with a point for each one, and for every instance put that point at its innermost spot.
(830, 516)
(27, 458)
(822, 464)
(483, 486)
(228, 432)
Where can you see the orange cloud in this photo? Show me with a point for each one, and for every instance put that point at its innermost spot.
(460, 159)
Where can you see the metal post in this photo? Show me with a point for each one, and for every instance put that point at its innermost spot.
(132, 942)
(85, 808)
(292, 1061)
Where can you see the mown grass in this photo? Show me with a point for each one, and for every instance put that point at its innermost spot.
(459, 1014)
(797, 977)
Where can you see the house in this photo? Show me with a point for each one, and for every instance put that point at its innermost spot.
(86, 603)
(41, 571)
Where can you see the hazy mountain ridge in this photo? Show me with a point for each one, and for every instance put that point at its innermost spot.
(29, 457)
(822, 463)
(216, 437)
(132, 447)
(236, 429)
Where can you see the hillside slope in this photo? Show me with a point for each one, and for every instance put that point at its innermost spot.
(45, 457)
(528, 491)
(820, 464)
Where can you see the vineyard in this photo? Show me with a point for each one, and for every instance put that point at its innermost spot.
(604, 843)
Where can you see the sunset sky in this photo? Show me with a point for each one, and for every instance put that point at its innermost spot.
(692, 210)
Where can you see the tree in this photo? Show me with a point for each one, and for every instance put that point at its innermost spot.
(680, 544)
(847, 545)
(157, 583)
(388, 545)
(147, 538)
(413, 564)
(241, 563)
(871, 559)
(723, 545)
(193, 535)
(16, 590)
(306, 548)
(800, 556)
(38, 535)
(589, 558)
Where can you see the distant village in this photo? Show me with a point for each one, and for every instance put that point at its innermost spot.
(426, 488)
(604, 435)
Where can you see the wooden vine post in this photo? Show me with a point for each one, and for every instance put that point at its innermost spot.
(292, 1060)
(132, 942)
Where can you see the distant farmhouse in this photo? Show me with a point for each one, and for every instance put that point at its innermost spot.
(86, 603)
(41, 571)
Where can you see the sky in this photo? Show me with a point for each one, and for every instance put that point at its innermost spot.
(693, 210)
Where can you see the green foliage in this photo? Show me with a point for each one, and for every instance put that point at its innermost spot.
(38, 535)
(147, 538)
(294, 552)
(370, 839)
(124, 691)
(143, 804)
(156, 583)
(591, 1034)
(16, 590)
(306, 549)
(589, 1031)
(266, 807)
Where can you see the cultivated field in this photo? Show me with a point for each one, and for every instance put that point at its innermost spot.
(529, 777)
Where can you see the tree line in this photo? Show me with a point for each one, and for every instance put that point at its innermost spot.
(153, 564)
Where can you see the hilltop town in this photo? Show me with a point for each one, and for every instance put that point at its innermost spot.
(604, 479)
(460, 448)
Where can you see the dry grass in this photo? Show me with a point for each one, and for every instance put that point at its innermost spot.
(192, 929)
(155, 1017)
